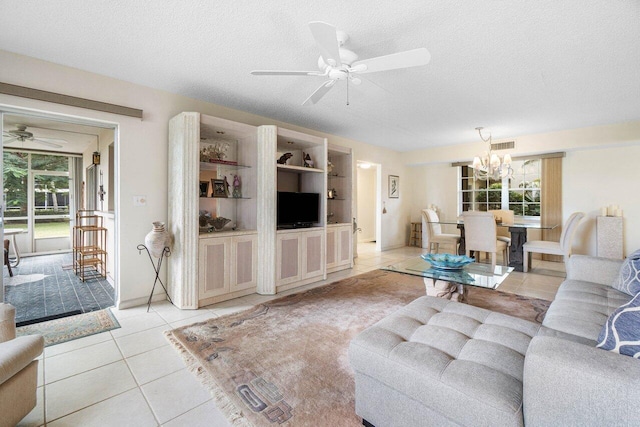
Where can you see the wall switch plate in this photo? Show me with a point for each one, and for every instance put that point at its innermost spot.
(139, 200)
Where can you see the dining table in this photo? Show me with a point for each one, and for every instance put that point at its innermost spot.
(12, 232)
(518, 231)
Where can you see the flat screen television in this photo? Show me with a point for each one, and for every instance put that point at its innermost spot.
(298, 209)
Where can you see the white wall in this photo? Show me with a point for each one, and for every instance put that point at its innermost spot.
(434, 184)
(366, 217)
(142, 153)
(600, 169)
(600, 177)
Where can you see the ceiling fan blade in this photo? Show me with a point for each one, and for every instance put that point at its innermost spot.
(53, 140)
(47, 143)
(319, 93)
(409, 58)
(8, 141)
(284, 73)
(327, 41)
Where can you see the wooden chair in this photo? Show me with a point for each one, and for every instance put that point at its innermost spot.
(563, 247)
(6, 257)
(507, 217)
(432, 235)
(480, 235)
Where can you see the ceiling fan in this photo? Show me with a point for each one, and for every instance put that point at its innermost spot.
(21, 134)
(338, 63)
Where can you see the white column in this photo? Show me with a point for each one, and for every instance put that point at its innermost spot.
(267, 192)
(184, 169)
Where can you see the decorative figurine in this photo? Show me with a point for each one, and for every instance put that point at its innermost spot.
(237, 192)
(213, 151)
(308, 163)
(283, 159)
(226, 186)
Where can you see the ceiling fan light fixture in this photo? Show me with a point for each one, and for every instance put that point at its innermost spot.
(335, 61)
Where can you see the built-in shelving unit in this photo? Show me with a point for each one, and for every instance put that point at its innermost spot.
(250, 254)
(300, 253)
(339, 209)
(208, 266)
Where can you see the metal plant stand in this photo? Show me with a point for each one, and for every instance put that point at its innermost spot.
(166, 252)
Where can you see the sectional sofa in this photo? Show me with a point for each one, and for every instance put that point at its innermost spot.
(439, 362)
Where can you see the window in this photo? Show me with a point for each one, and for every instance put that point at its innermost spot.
(520, 193)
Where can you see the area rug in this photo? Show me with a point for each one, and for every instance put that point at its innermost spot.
(285, 362)
(21, 279)
(70, 328)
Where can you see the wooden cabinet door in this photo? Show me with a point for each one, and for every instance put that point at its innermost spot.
(243, 262)
(289, 247)
(332, 247)
(344, 245)
(213, 272)
(313, 253)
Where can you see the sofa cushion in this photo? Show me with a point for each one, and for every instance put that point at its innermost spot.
(581, 308)
(459, 360)
(628, 280)
(621, 332)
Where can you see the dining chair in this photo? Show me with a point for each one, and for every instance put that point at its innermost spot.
(563, 247)
(6, 257)
(480, 235)
(506, 216)
(432, 235)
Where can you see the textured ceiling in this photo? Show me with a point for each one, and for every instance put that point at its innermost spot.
(517, 67)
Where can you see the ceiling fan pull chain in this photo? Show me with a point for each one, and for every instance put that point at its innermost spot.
(347, 91)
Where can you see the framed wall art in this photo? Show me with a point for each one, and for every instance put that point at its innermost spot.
(394, 186)
(219, 189)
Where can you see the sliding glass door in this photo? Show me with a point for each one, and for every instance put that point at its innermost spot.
(51, 220)
(36, 200)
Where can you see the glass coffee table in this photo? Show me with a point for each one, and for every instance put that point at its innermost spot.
(451, 284)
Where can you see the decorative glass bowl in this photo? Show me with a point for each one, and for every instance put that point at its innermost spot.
(447, 261)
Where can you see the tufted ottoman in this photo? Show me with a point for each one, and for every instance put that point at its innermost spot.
(440, 362)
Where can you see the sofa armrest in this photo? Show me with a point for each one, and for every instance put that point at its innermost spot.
(593, 269)
(18, 353)
(567, 383)
(7, 322)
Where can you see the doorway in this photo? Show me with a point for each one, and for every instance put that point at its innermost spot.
(368, 204)
(44, 159)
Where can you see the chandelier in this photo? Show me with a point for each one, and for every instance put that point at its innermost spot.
(490, 165)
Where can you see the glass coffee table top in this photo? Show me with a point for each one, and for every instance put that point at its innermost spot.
(473, 274)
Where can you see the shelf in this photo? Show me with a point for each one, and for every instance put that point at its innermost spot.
(226, 198)
(298, 169)
(335, 176)
(210, 166)
(336, 198)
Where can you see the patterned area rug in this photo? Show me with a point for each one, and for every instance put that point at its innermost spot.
(70, 328)
(285, 362)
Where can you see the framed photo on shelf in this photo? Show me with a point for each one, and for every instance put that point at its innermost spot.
(204, 188)
(394, 186)
(218, 188)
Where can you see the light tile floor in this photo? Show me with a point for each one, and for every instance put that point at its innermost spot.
(132, 377)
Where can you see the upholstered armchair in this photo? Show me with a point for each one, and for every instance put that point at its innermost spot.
(432, 235)
(480, 235)
(506, 217)
(18, 369)
(563, 247)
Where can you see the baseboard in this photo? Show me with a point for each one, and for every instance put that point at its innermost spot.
(135, 302)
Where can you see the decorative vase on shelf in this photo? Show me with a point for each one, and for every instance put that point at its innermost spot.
(157, 239)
